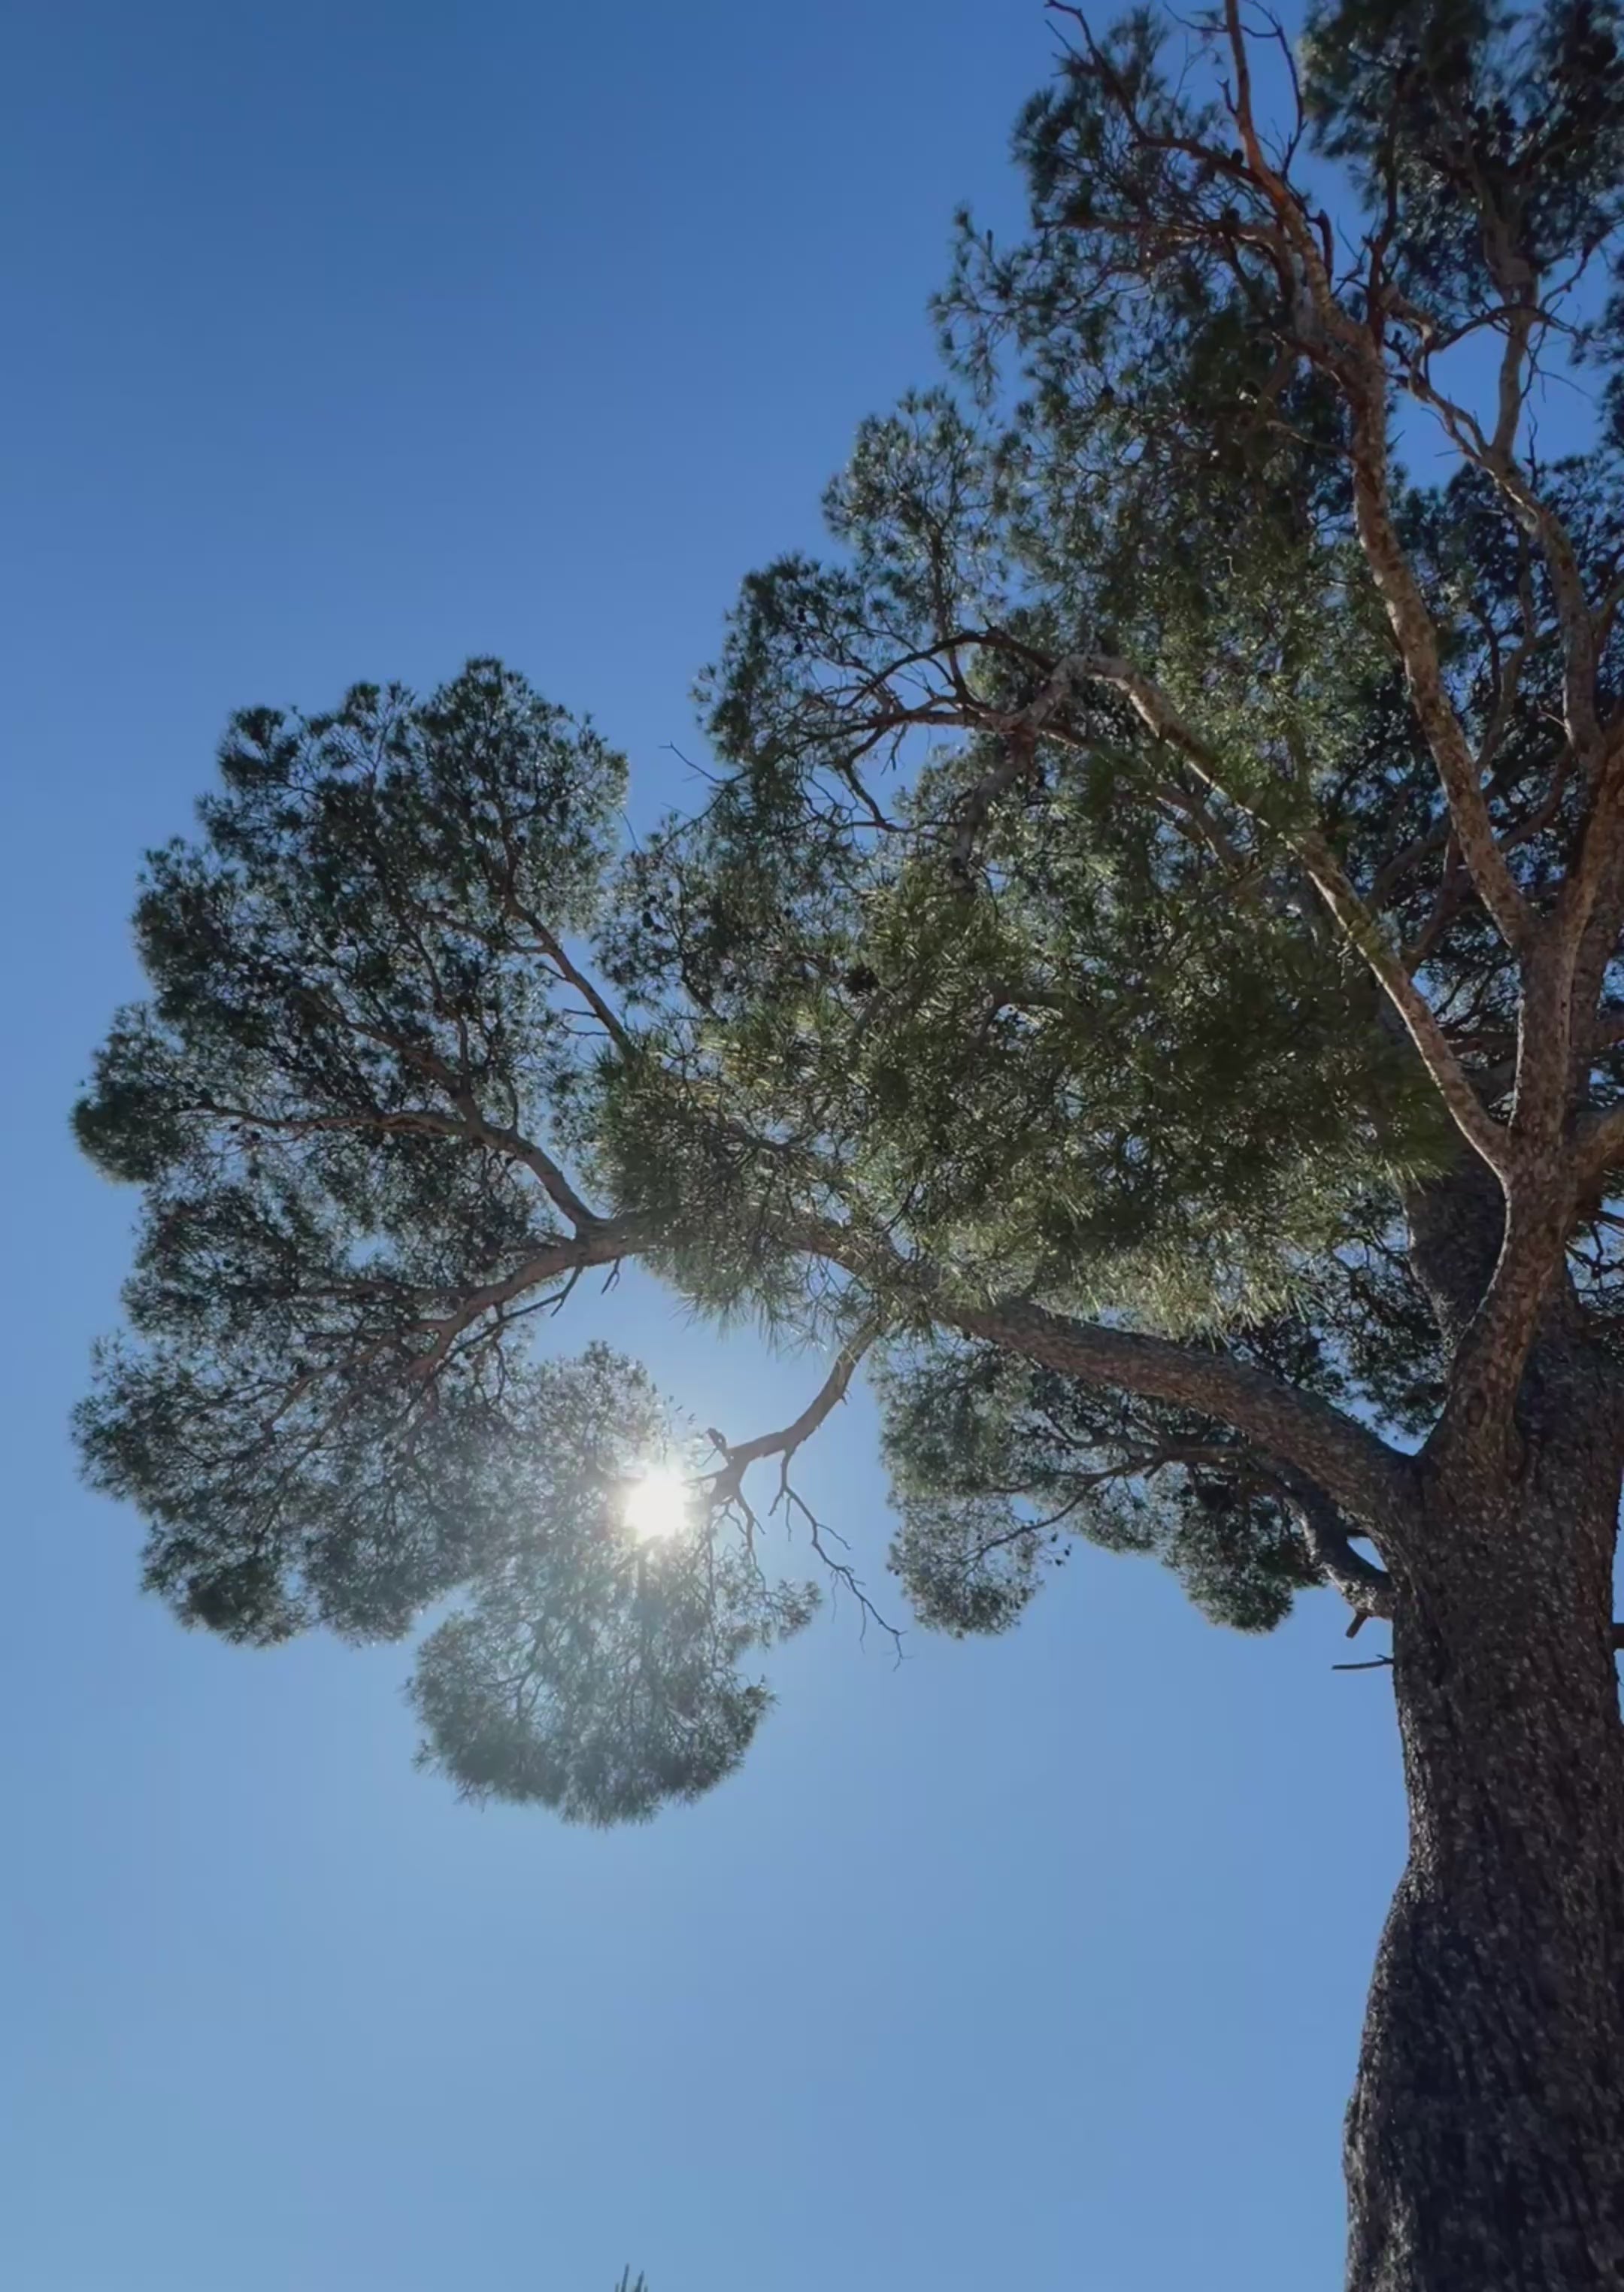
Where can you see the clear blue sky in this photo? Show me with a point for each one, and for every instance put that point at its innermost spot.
(342, 340)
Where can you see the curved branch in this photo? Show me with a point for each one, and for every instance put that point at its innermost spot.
(1367, 1588)
(1296, 1431)
(607, 1243)
(727, 1486)
(1353, 1466)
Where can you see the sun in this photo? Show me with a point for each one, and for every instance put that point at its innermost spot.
(657, 1504)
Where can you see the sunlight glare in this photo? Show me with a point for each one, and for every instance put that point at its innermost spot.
(656, 1505)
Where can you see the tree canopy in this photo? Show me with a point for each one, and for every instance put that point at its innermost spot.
(1118, 918)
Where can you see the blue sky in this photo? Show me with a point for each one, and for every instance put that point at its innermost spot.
(345, 341)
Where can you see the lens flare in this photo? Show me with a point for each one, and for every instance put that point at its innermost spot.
(657, 1506)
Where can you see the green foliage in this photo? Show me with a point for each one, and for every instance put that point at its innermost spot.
(584, 1671)
(365, 907)
(998, 1466)
(982, 976)
(1503, 126)
(326, 1405)
(348, 1013)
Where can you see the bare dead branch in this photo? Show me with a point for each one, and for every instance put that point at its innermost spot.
(726, 1485)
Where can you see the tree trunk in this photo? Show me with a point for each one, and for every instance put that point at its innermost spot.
(1486, 2138)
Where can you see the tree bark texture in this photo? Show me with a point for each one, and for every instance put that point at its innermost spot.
(1485, 2137)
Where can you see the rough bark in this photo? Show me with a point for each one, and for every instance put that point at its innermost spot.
(1486, 2138)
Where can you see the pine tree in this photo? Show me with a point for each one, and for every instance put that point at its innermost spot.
(1146, 986)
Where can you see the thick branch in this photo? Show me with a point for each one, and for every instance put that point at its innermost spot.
(1367, 1588)
(1299, 1432)
(1369, 1481)
(1598, 1147)
(608, 1244)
